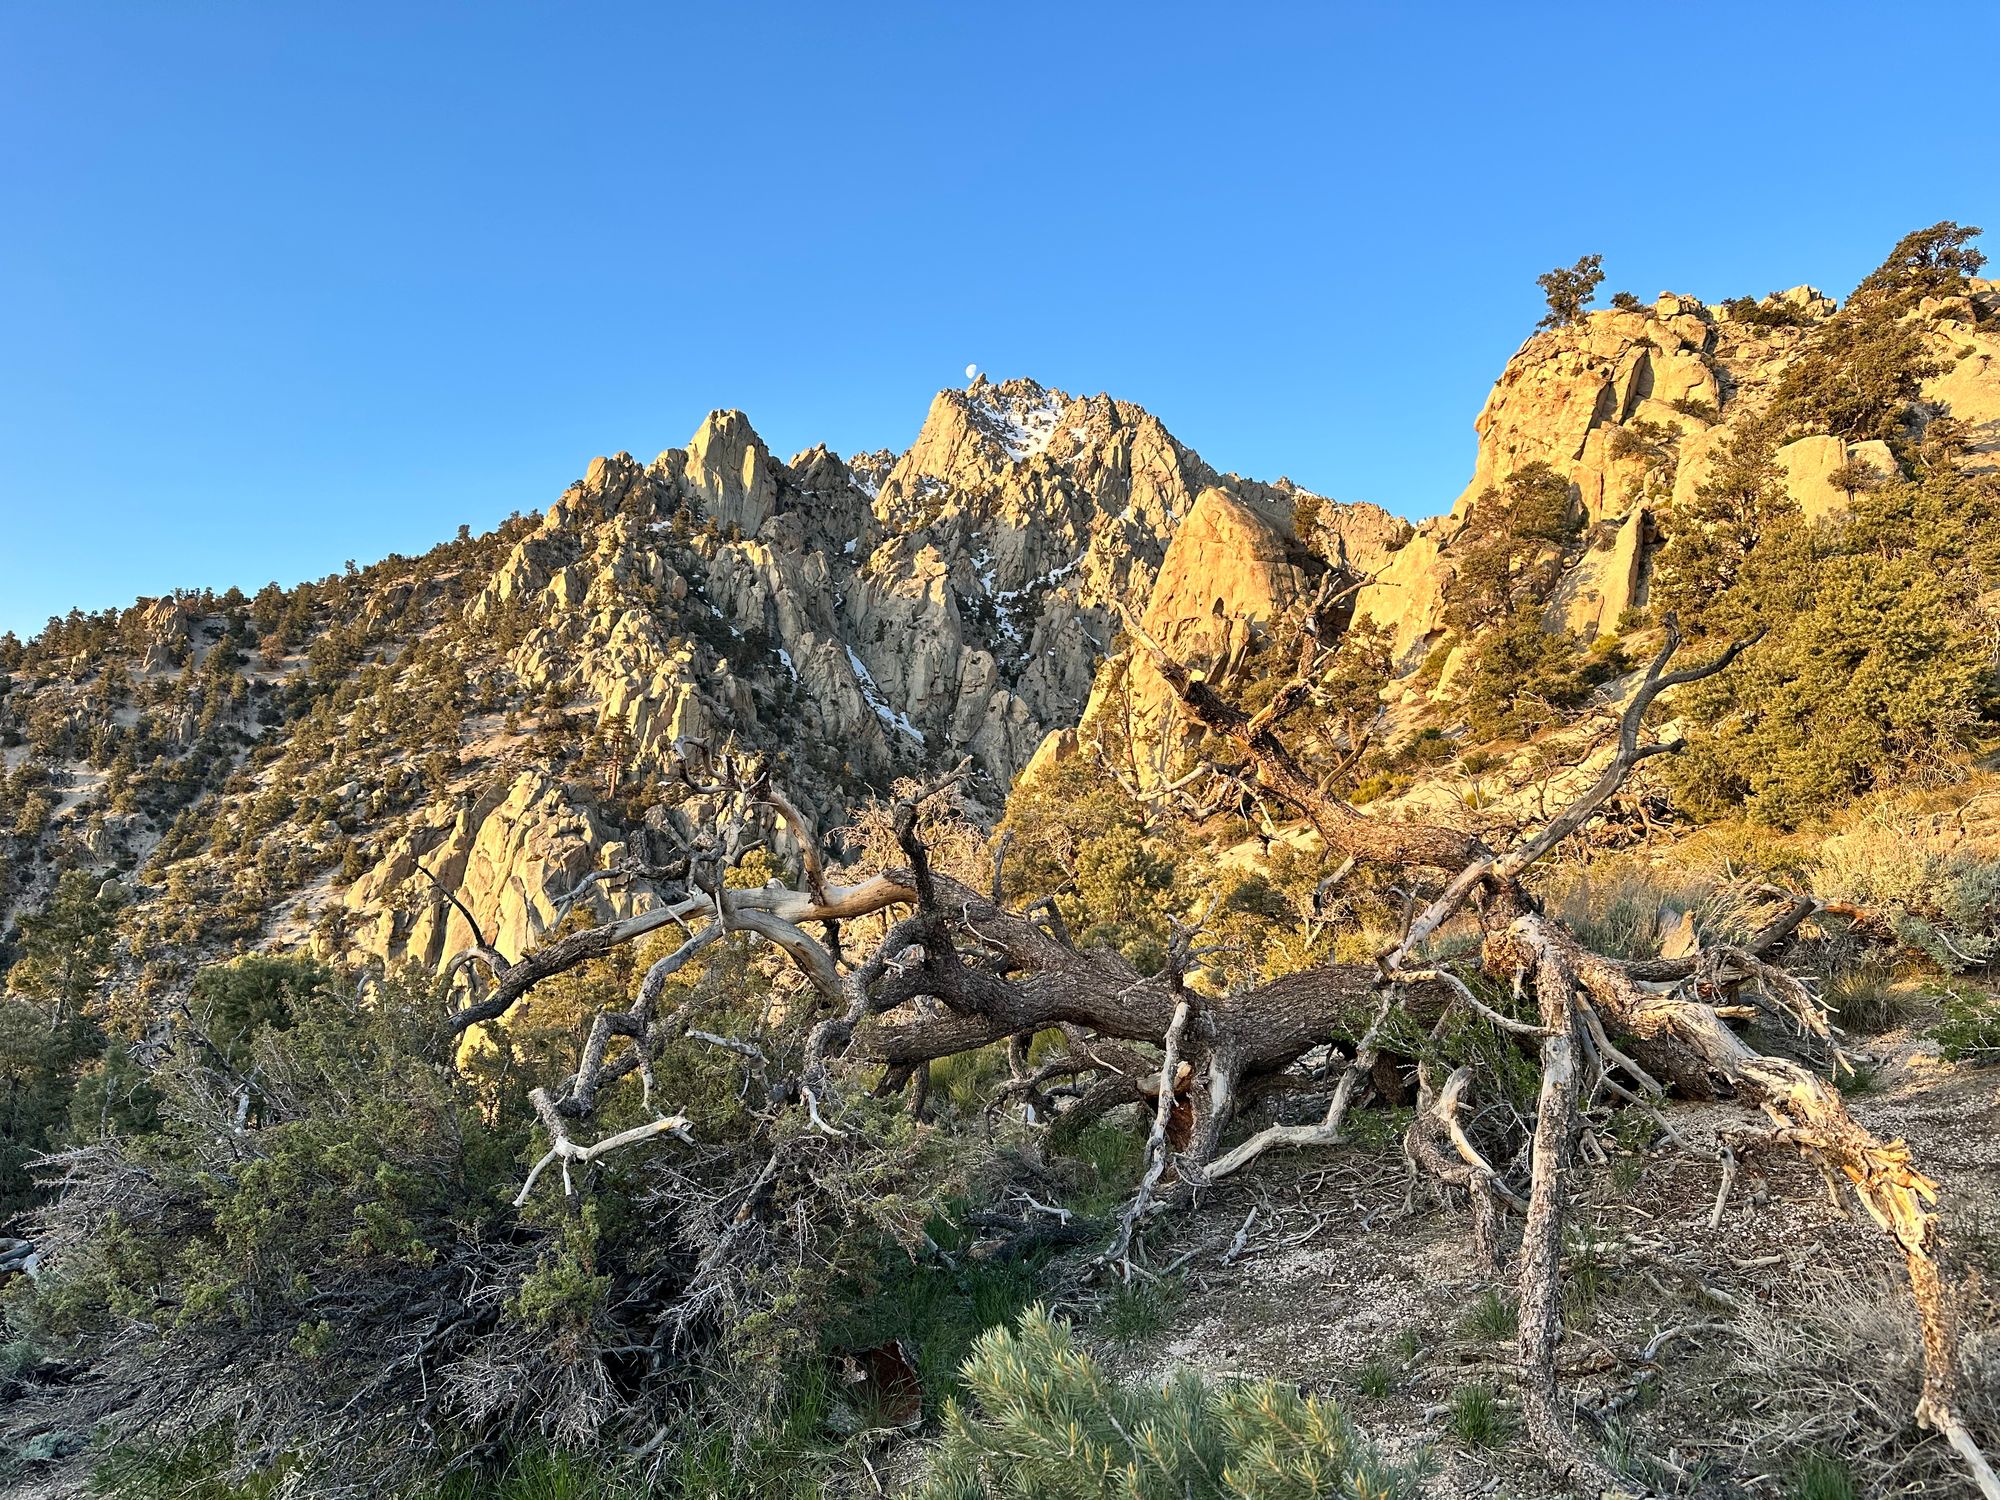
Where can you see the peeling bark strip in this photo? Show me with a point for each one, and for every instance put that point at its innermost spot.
(958, 971)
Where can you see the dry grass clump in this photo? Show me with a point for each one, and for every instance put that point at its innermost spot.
(1623, 906)
(1629, 906)
(1937, 889)
(1836, 1374)
(1867, 1000)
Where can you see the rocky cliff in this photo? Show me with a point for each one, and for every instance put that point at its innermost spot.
(1629, 407)
(956, 601)
(460, 725)
(337, 762)
(1589, 399)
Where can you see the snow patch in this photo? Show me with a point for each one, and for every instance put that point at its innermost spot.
(1011, 605)
(868, 470)
(1021, 416)
(894, 722)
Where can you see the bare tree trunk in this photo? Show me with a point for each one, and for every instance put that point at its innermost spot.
(1540, 1309)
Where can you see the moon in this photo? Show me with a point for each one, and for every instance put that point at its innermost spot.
(971, 371)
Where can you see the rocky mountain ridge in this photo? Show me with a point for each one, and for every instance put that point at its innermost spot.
(1695, 372)
(338, 764)
(867, 617)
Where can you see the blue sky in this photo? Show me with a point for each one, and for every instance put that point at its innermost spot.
(282, 285)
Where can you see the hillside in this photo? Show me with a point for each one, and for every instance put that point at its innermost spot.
(866, 619)
(269, 767)
(919, 872)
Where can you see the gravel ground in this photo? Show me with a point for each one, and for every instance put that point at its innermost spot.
(1786, 1327)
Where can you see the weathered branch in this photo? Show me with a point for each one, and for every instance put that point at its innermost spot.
(479, 943)
(1120, 1250)
(1345, 830)
(564, 1150)
(1629, 752)
(1689, 1043)
(1541, 1239)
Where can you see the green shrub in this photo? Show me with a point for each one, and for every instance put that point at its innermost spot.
(232, 1002)
(1941, 898)
(1076, 832)
(1044, 1420)
(1858, 376)
(1874, 667)
(283, 1263)
(1431, 668)
(1642, 439)
(936, 1307)
(1765, 314)
(1511, 550)
(48, 1036)
(1569, 290)
(1370, 788)
(1525, 677)
(1970, 1030)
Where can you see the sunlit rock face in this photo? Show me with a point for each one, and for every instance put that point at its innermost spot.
(955, 599)
(867, 618)
(1631, 406)
(862, 619)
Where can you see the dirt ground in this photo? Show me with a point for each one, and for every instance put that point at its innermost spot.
(1706, 1359)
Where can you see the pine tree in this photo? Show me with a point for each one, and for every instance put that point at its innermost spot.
(1569, 290)
(1931, 262)
(66, 947)
(46, 1033)
(1044, 1420)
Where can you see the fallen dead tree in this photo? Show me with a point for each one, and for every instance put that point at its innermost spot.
(905, 960)
(953, 970)
(1582, 998)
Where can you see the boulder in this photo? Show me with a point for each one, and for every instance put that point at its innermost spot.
(1810, 463)
(1602, 585)
(1056, 747)
(731, 473)
(1228, 574)
(1226, 560)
